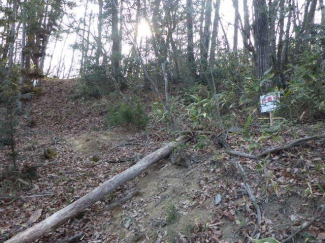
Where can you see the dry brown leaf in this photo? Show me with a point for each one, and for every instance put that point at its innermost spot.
(34, 217)
(321, 236)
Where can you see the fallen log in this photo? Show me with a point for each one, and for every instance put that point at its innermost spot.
(276, 149)
(51, 223)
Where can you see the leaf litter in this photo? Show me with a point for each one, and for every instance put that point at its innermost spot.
(206, 201)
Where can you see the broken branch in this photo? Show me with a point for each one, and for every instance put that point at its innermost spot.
(276, 149)
(305, 226)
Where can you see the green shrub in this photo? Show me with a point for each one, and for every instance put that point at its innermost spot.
(127, 114)
(8, 111)
(171, 214)
(305, 91)
(94, 83)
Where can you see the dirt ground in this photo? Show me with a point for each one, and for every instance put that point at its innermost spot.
(205, 202)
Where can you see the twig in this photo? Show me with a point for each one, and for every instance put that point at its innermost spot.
(233, 152)
(305, 225)
(276, 149)
(30, 196)
(123, 144)
(123, 160)
(75, 238)
(290, 145)
(250, 194)
(122, 200)
(38, 195)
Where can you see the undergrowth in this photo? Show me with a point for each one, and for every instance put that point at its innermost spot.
(128, 114)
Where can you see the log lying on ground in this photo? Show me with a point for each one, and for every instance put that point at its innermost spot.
(51, 223)
(276, 149)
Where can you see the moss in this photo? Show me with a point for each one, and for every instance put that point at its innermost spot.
(95, 159)
(50, 153)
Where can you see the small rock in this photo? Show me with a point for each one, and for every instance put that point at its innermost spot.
(181, 158)
(127, 223)
(217, 199)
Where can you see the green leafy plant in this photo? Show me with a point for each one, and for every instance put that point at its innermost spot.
(8, 121)
(203, 142)
(200, 111)
(265, 240)
(127, 114)
(171, 214)
(304, 95)
(247, 123)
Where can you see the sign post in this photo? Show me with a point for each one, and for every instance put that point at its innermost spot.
(269, 102)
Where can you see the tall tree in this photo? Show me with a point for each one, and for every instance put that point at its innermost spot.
(100, 29)
(206, 40)
(272, 14)
(261, 33)
(285, 52)
(322, 7)
(246, 29)
(215, 32)
(236, 26)
(201, 32)
(206, 32)
(116, 55)
(281, 33)
(190, 37)
(303, 36)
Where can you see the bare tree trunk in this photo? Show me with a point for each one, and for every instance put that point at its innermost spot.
(207, 25)
(281, 33)
(272, 32)
(51, 58)
(86, 49)
(12, 37)
(236, 26)
(100, 29)
(246, 31)
(175, 57)
(116, 54)
(136, 33)
(225, 36)
(83, 40)
(22, 58)
(72, 58)
(116, 42)
(261, 32)
(310, 18)
(201, 33)
(190, 38)
(59, 68)
(307, 24)
(171, 23)
(45, 41)
(206, 41)
(285, 52)
(58, 218)
(214, 33)
(121, 26)
(322, 7)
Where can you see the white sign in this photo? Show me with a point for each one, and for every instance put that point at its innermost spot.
(269, 101)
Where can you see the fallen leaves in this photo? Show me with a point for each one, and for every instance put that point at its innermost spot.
(34, 217)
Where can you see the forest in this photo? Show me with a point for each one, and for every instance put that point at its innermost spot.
(162, 121)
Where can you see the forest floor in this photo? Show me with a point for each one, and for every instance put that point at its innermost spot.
(205, 202)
